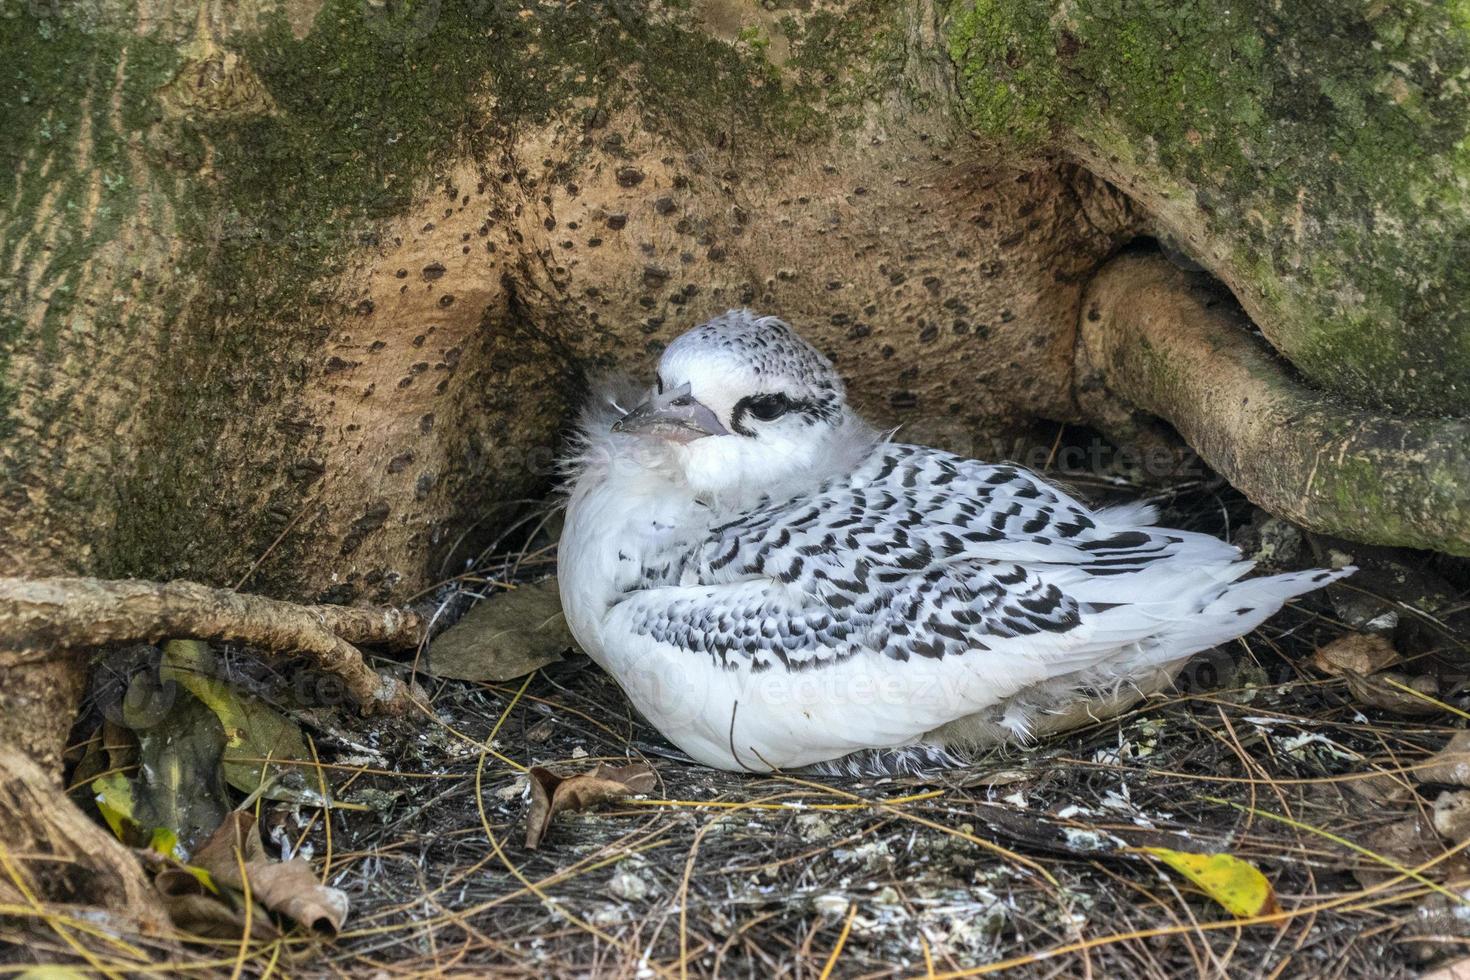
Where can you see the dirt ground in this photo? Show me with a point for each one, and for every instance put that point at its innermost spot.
(1025, 862)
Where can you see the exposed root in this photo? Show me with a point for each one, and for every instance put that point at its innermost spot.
(1166, 342)
(41, 616)
(55, 855)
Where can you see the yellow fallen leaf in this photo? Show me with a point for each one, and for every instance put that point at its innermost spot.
(165, 842)
(253, 729)
(1235, 884)
(114, 796)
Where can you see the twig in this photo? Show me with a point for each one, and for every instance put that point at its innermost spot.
(49, 614)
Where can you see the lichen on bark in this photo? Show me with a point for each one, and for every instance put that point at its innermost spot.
(1314, 157)
(221, 182)
(353, 246)
(1168, 342)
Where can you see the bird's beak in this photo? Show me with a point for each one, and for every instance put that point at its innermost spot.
(673, 415)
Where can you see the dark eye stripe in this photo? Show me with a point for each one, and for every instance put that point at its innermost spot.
(768, 408)
(751, 405)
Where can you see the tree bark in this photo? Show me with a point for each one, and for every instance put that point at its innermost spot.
(62, 857)
(298, 294)
(306, 299)
(40, 617)
(1311, 156)
(1177, 346)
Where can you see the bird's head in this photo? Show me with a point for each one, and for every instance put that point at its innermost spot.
(743, 406)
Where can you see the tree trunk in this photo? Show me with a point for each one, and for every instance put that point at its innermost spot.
(299, 294)
(1312, 156)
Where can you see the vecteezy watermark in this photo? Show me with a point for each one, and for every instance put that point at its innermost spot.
(148, 695)
(143, 702)
(1093, 456)
(1081, 452)
(1208, 670)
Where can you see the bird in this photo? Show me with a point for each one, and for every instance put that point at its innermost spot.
(776, 585)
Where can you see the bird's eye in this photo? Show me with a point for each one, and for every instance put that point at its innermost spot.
(769, 407)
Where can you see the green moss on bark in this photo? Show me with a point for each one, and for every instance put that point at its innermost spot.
(62, 137)
(368, 105)
(1322, 149)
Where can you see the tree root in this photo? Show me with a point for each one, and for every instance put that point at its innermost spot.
(56, 855)
(39, 617)
(1169, 343)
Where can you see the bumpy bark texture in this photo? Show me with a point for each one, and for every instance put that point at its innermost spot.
(1313, 156)
(302, 294)
(40, 617)
(299, 294)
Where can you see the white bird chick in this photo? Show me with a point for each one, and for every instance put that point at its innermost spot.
(774, 585)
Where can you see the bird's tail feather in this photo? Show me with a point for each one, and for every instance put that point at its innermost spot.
(1240, 607)
(1236, 608)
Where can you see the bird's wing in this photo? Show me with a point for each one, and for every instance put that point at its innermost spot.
(946, 610)
(917, 554)
(949, 584)
(761, 673)
(913, 508)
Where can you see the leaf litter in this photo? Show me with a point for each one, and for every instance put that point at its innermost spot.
(504, 636)
(232, 881)
(771, 875)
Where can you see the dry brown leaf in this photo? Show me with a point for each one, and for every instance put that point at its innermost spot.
(1408, 842)
(1381, 788)
(199, 912)
(291, 888)
(1360, 653)
(88, 761)
(288, 888)
(120, 744)
(217, 854)
(1377, 692)
(1450, 765)
(552, 793)
(505, 636)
